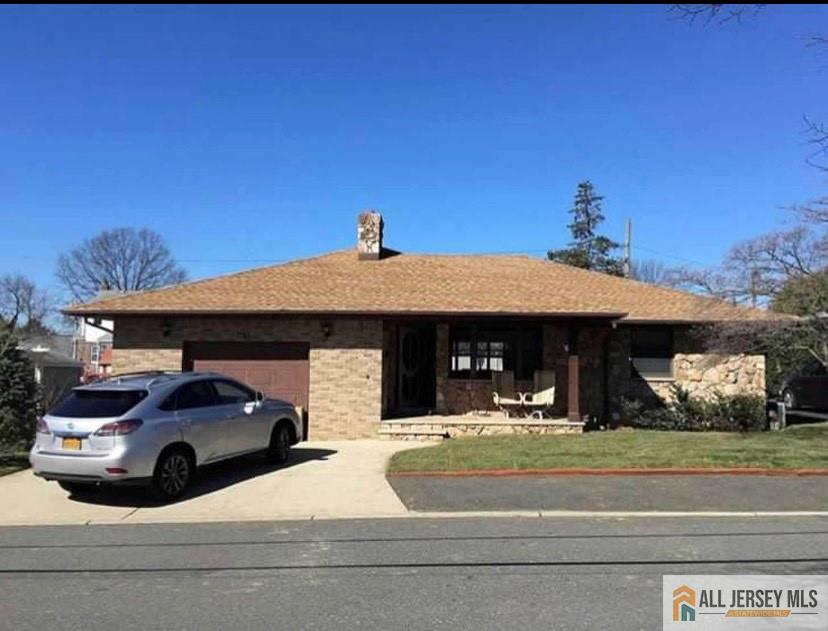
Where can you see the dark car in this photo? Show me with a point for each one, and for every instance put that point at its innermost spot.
(807, 390)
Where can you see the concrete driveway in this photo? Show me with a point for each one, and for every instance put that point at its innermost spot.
(322, 479)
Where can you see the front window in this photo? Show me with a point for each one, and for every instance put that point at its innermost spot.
(461, 354)
(477, 351)
(230, 393)
(652, 352)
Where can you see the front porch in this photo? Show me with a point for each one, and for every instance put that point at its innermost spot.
(439, 375)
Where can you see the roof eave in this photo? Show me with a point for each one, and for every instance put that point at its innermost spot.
(114, 313)
(687, 321)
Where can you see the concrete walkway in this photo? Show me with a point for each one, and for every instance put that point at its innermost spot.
(322, 479)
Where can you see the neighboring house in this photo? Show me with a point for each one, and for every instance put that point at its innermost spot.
(362, 335)
(55, 370)
(92, 345)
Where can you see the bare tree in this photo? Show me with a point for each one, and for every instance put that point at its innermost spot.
(654, 272)
(123, 259)
(787, 342)
(814, 212)
(756, 270)
(709, 282)
(786, 269)
(776, 257)
(720, 13)
(818, 140)
(23, 306)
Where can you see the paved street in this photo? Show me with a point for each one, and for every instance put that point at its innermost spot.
(703, 493)
(382, 574)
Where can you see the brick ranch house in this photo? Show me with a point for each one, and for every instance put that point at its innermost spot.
(360, 336)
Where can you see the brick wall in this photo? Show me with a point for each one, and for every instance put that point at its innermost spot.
(353, 371)
(346, 368)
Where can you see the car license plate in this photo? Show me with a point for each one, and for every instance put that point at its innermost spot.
(72, 443)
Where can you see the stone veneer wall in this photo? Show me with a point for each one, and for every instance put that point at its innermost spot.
(705, 375)
(346, 368)
(701, 374)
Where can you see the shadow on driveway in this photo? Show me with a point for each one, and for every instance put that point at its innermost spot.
(208, 479)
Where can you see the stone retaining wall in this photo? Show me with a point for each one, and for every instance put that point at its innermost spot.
(704, 376)
(701, 374)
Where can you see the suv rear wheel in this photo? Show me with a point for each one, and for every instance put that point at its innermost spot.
(172, 475)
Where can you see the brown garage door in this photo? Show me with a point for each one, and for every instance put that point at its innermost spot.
(279, 369)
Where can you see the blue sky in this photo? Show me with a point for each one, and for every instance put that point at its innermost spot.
(254, 134)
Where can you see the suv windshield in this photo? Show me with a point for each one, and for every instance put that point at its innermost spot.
(98, 403)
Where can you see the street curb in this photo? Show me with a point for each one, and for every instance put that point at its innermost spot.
(506, 514)
(522, 514)
(615, 514)
(576, 471)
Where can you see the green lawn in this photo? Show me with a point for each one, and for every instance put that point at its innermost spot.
(804, 446)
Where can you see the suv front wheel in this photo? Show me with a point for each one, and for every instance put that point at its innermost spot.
(279, 448)
(172, 475)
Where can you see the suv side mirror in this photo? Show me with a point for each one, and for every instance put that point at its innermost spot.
(260, 397)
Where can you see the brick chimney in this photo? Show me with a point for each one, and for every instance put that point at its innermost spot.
(369, 235)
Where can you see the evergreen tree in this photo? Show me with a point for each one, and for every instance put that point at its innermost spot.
(19, 397)
(588, 249)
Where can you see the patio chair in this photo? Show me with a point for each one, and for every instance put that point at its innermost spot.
(503, 392)
(538, 403)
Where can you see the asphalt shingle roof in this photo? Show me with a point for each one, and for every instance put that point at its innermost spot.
(339, 283)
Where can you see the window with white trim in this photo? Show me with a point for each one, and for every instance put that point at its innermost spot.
(478, 351)
(651, 352)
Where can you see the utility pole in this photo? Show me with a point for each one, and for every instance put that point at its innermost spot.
(628, 250)
(754, 282)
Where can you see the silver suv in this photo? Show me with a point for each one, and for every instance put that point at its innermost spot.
(156, 428)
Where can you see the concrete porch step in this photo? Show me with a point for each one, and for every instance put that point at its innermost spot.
(527, 426)
(413, 433)
(439, 427)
